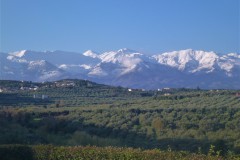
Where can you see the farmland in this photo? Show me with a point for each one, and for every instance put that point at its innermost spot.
(72, 113)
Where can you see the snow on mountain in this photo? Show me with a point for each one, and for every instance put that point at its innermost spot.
(54, 57)
(90, 53)
(14, 66)
(189, 60)
(120, 56)
(121, 62)
(230, 63)
(43, 70)
(19, 54)
(71, 62)
(98, 71)
(65, 66)
(125, 67)
(76, 69)
(36, 64)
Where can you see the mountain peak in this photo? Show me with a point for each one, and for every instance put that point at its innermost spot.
(189, 60)
(19, 53)
(126, 50)
(90, 53)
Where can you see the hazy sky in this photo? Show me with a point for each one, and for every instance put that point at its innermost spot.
(151, 26)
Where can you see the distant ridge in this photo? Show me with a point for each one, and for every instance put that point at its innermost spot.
(128, 68)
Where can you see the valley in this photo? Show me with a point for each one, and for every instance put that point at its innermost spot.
(79, 112)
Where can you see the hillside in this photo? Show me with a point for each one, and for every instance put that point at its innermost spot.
(80, 112)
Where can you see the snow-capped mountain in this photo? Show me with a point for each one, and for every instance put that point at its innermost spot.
(125, 67)
(118, 63)
(15, 68)
(189, 60)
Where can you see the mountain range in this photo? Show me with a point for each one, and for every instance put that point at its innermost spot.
(128, 68)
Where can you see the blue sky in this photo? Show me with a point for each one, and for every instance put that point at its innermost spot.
(150, 26)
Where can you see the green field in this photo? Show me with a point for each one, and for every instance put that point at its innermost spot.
(79, 112)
